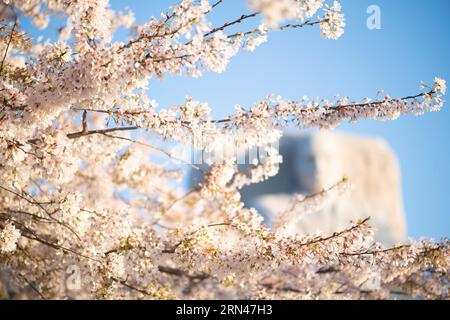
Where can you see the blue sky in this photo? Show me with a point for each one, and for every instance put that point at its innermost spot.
(413, 45)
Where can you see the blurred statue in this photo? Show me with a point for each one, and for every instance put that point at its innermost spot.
(312, 163)
(317, 162)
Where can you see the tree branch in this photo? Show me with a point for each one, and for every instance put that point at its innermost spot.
(100, 131)
(8, 45)
(231, 119)
(336, 234)
(231, 23)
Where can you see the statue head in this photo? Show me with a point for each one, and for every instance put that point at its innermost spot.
(317, 162)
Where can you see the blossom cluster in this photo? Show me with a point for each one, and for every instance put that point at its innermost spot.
(334, 25)
(9, 237)
(83, 186)
(276, 11)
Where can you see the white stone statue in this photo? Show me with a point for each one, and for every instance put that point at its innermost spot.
(312, 163)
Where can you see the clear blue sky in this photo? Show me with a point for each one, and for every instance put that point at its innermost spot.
(413, 45)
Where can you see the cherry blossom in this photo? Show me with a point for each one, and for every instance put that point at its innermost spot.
(9, 237)
(89, 182)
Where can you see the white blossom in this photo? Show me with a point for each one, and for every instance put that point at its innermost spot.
(333, 27)
(9, 236)
(440, 85)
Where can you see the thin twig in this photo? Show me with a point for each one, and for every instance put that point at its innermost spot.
(215, 5)
(99, 131)
(174, 248)
(84, 122)
(154, 148)
(308, 23)
(231, 23)
(33, 287)
(336, 234)
(7, 46)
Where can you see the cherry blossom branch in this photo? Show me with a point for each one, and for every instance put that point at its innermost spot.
(32, 235)
(328, 107)
(160, 25)
(22, 197)
(101, 190)
(84, 122)
(166, 153)
(133, 287)
(173, 203)
(162, 269)
(308, 23)
(375, 252)
(216, 4)
(7, 45)
(241, 19)
(174, 248)
(336, 234)
(84, 133)
(32, 286)
(40, 205)
(181, 273)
